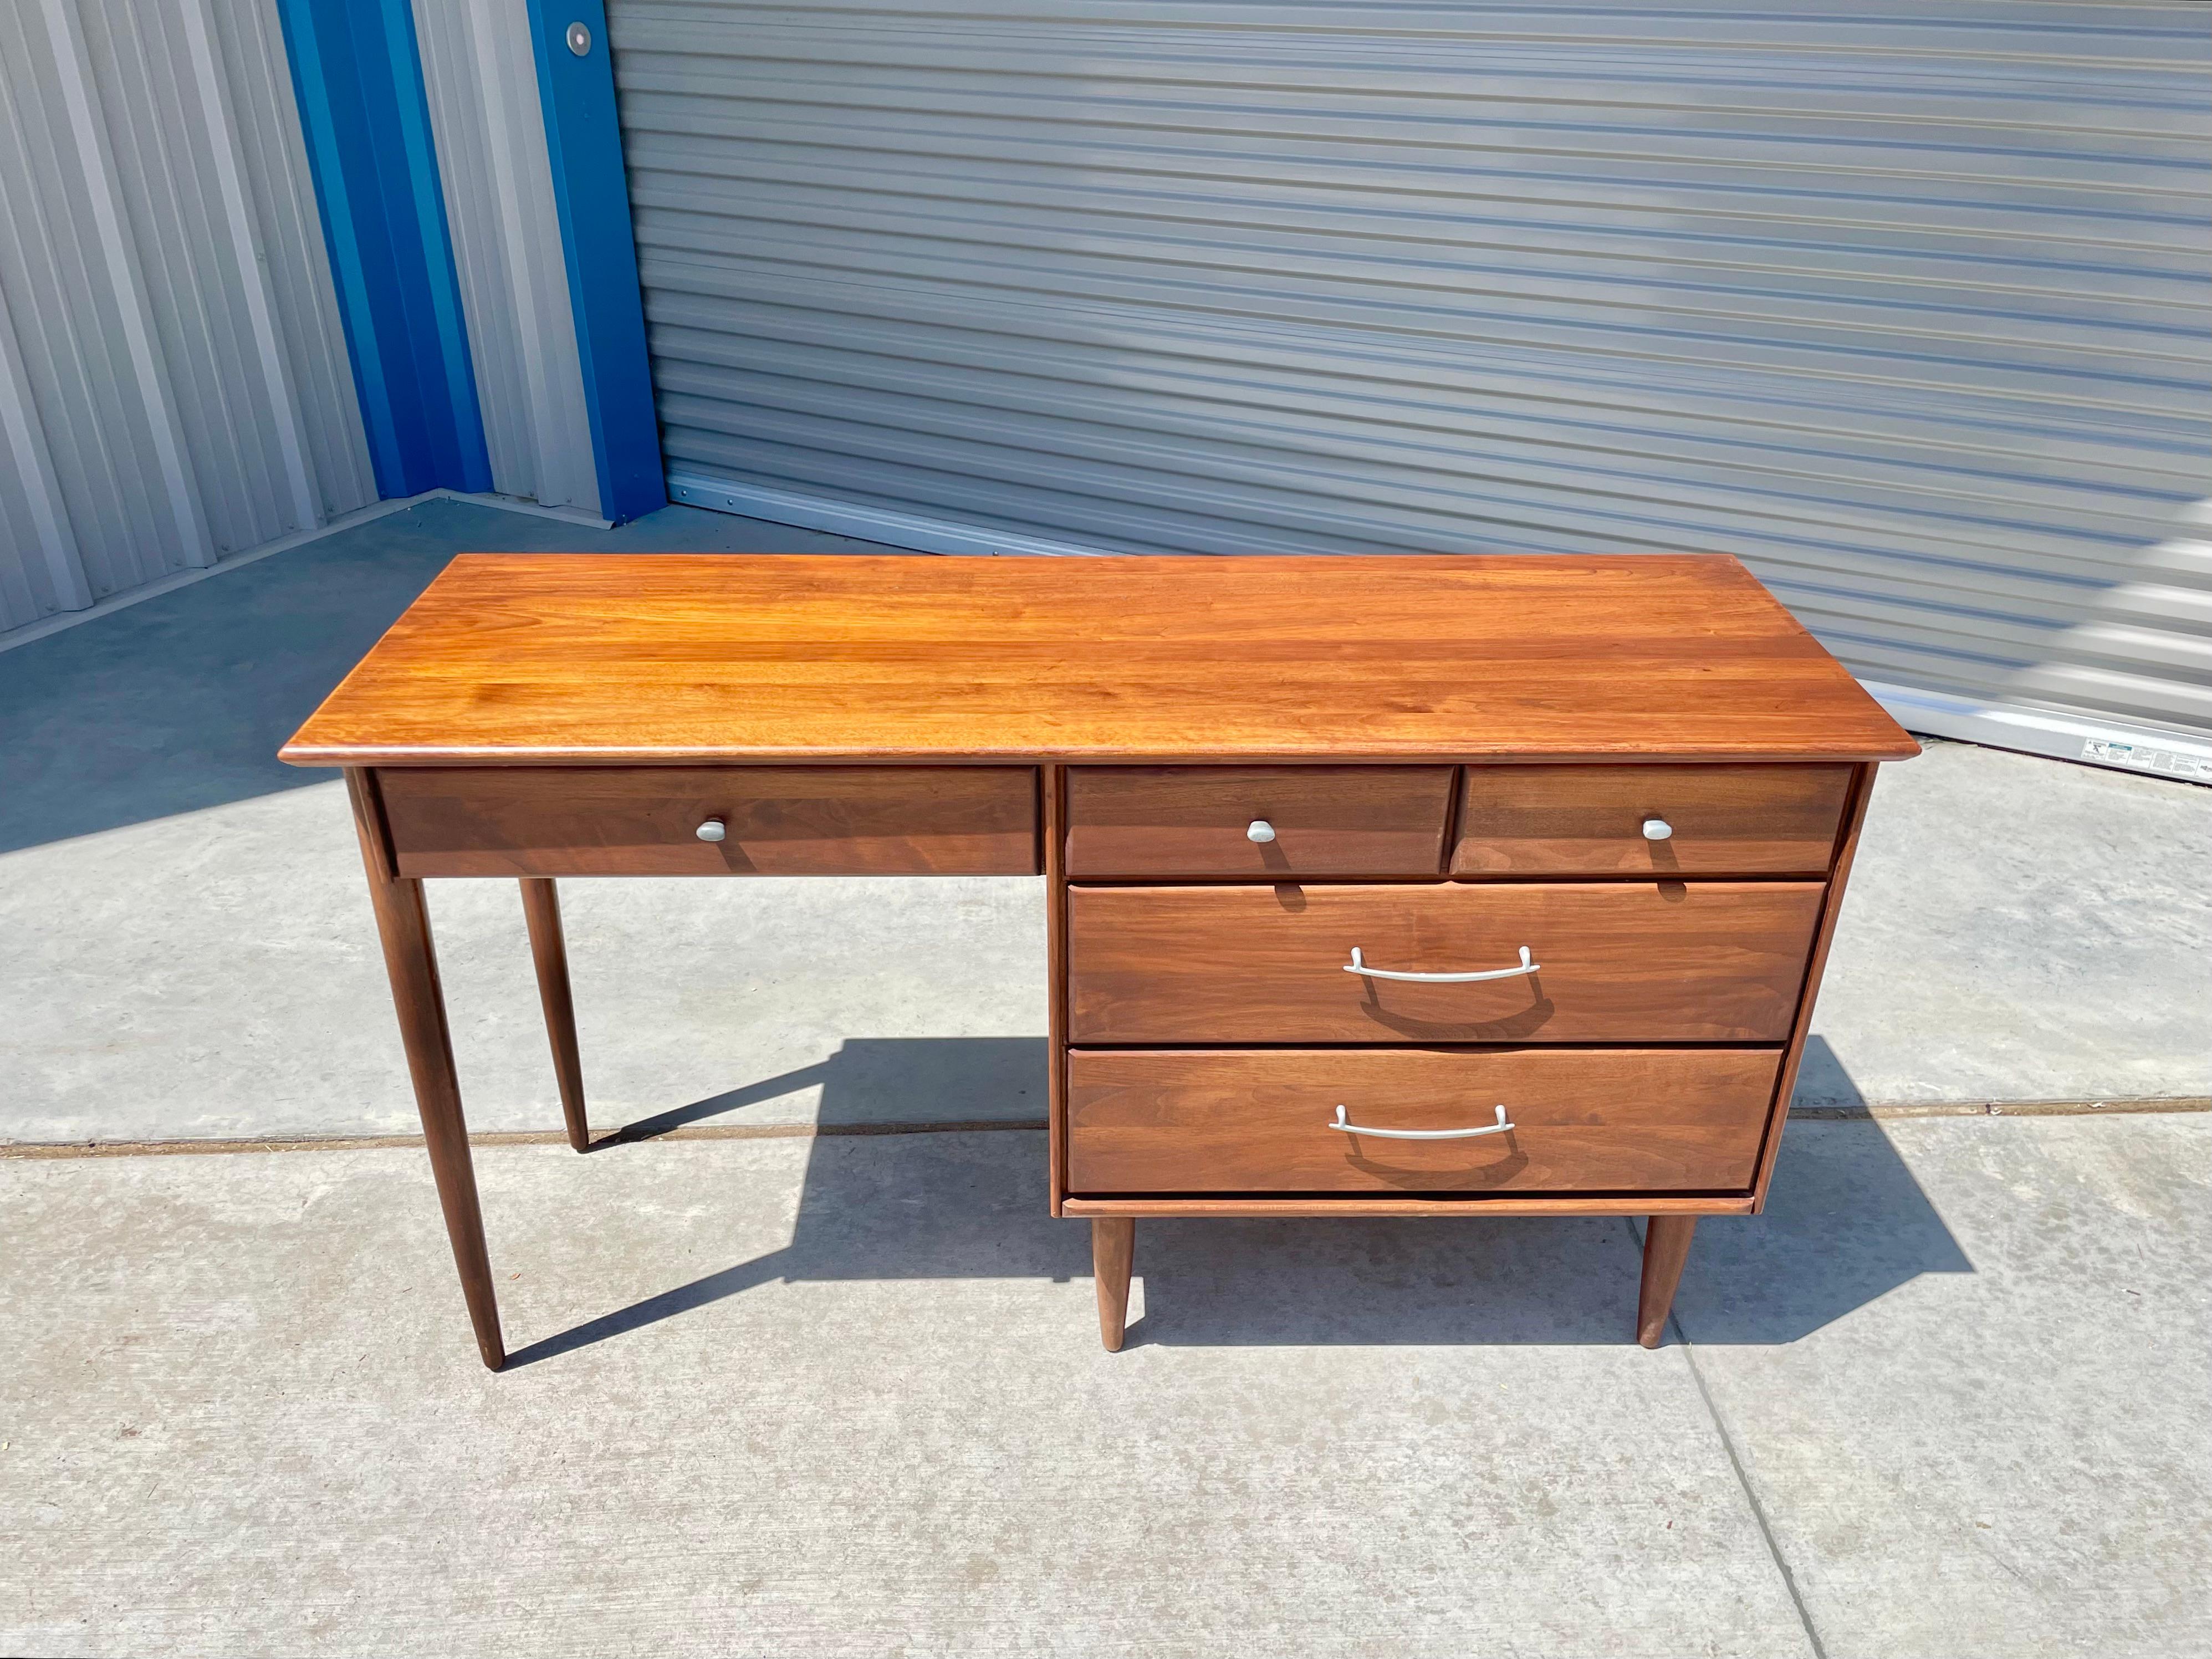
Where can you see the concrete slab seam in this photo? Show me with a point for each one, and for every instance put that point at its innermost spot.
(497, 1138)
(205, 1146)
(1864, 1113)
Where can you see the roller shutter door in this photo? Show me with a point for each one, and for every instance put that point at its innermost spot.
(1907, 305)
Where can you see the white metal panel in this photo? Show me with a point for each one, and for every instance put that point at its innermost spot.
(482, 78)
(48, 573)
(289, 232)
(162, 316)
(1908, 306)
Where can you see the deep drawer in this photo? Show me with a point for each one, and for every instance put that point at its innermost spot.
(777, 820)
(1614, 962)
(1707, 820)
(1228, 1120)
(1309, 820)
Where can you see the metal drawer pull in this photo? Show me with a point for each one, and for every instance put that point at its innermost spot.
(713, 830)
(1259, 831)
(1357, 966)
(1657, 828)
(1496, 1128)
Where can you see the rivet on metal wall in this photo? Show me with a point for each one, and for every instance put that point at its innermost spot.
(579, 39)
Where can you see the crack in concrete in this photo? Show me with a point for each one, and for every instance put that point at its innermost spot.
(1742, 1475)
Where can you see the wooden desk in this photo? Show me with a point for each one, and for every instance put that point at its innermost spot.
(1422, 887)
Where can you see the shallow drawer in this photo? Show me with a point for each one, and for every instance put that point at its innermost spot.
(1614, 962)
(1310, 820)
(777, 820)
(1705, 820)
(1613, 1121)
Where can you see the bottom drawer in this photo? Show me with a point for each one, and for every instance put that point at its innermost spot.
(1264, 1121)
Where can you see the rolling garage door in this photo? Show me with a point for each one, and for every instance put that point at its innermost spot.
(1906, 305)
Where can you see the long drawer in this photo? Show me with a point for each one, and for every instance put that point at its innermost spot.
(1615, 961)
(761, 820)
(1267, 1121)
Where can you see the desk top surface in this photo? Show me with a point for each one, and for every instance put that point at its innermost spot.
(566, 658)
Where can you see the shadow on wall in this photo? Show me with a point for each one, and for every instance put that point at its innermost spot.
(1846, 1222)
(180, 702)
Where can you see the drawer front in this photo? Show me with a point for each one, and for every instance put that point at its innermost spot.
(1199, 820)
(1589, 820)
(1616, 962)
(778, 820)
(1582, 1119)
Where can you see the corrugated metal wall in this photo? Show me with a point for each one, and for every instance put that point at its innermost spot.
(482, 79)
(1904, 304)
(174, 380)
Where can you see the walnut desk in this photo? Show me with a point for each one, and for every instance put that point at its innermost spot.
(1407, 886)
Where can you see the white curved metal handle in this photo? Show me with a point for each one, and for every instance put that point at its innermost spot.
(1657, 830)
(1259, 831)
(713, 830)
(1496, 1128)
(1357, 966)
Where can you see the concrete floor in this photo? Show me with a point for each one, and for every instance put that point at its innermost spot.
(782, 1396)
(845, 1395)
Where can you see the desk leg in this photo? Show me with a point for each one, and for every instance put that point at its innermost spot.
(1666, 1248)
(412, 961)
(541, 908)
(1113, 1251)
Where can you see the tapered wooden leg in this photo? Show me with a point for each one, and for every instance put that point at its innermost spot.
(1113, 1249)
(541, 908)
(1666, 1248)
(412, 961)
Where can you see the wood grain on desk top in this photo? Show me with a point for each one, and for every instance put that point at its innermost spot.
(566, 657)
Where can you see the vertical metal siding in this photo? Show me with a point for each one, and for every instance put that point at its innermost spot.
(44, 570)
(281, 209)
(172, 384)
(1906, 305)
(482, 78)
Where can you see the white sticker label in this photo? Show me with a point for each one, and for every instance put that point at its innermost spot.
(2141, 758)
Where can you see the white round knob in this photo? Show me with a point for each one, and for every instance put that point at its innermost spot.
(1657, 828)
(1259, 831)
(713, 830)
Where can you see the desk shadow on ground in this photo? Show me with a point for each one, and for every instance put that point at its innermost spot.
(884, 1085)
(1846, 1222)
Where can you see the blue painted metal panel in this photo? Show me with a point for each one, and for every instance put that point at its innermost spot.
(583, 140)
(359, 81)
